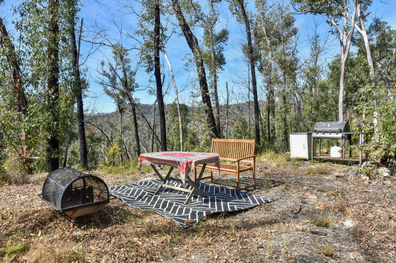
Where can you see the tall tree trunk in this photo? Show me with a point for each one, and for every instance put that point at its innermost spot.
(136, 130)
(227, 107)
(252, 72)
(210, 24)
(53, 86)
(177, 100)
(216, 95)
(66, 152)
(285, 114)
(78, 92)
(270, 88)
(194, 46)
(125, 86)
(345, 38)
(157, 73)
(153, 131)
(121, 141)
(19, 90)
(363, 32)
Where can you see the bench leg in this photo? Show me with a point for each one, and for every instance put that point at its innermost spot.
(237, 174)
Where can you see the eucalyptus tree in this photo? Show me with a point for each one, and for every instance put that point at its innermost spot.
(193, 43)
(238, 9)
(213, 43)
(119, 82)
(77, 82)
(46, 71)
(152, 33)
(287, 63)
(115, 91)
(180, 120)
(267, 41)
(44, 43)
(341, 15)
(312, 77)
(380, 134)
(18, 87)
(361, 15)
(53, 85)
(153, 42)
(383, 47)
(157, 72)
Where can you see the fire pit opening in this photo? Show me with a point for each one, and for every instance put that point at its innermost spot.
(74, 193)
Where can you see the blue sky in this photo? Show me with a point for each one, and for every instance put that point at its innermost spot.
(106, 14)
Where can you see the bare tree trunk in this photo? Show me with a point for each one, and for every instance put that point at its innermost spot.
(227, 107)
(157, 74)
(345, 38)
(211, 25)
(252, 72)
(66, 153)
(153, 132)
(121, 141)
(53, 86)
(78, 92)
(363, 32)
(216, 95)
(270, 88)
(177, 100)
(19, 90)
(285, 114)
(136, 130)
(125, 86)
(134, 108)
(194, 46)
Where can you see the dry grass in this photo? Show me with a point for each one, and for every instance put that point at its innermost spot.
(319, 169)
(316, 218)
(275, 159)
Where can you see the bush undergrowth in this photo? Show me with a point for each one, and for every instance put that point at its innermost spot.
(277, 159)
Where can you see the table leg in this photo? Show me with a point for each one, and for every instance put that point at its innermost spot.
(194, 185)
(162, 178)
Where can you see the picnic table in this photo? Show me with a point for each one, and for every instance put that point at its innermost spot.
(185, 162)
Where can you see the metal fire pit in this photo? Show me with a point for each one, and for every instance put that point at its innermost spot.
(74, 193)
(337, 131)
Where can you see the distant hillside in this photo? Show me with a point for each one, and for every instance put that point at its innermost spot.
(234, 110)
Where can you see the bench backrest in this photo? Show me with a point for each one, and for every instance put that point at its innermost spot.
(234, 149)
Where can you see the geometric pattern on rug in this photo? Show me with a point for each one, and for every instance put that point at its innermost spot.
(170, 203)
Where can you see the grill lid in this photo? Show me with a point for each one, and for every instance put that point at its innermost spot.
(331, 127)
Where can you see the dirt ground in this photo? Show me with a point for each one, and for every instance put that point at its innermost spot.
(322, 213)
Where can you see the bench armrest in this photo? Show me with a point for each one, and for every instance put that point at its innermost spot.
(247, 157)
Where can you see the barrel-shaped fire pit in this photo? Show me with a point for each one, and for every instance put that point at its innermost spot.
(74, 193)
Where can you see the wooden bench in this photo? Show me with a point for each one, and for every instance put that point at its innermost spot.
(236, 156)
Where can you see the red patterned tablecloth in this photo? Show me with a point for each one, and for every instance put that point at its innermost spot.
(184, 161)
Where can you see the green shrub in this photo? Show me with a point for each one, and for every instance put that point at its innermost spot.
(13, 249)
(321, 221)
(328, 252)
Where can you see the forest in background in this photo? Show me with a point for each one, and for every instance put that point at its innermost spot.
(43, 82)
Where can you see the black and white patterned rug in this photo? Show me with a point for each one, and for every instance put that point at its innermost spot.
(170, 203)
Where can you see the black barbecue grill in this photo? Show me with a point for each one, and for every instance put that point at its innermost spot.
(337, 131)
(330, 130)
